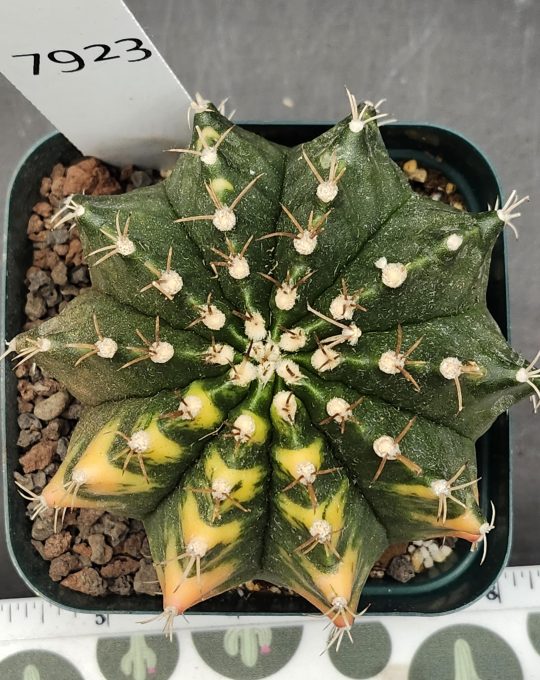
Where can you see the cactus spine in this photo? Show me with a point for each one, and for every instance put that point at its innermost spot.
(286, 359)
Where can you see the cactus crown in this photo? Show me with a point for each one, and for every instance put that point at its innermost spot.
(285, 359)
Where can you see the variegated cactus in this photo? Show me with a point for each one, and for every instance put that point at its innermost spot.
(285, 361)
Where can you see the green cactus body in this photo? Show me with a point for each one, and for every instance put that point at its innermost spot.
(248, 642)
(285, 360)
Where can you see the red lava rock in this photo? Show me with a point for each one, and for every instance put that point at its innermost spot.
(86, 581)
(61, 249)
(53, 430)
(43, 526)
(74, 253)
(145, 580)
(24, 406)
(62, 565)
(35, 225)
(45, 188)
(22, 371)
(56, 545)
(83, 549)
(46, 387)
(59, 272)
(45, 259)
(121, 586)
(35, 307)
(120, 567)
(101, 551)
(58, 170)
(51, 407)
(26, 390)
(131, 545)
(91, 177)
(57, 186)
(38, 457)
(43, 209)
(89, 516)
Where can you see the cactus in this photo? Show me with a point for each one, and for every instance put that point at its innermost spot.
(285, 361)
(249, 642)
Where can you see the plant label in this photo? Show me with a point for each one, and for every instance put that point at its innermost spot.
(91, 69)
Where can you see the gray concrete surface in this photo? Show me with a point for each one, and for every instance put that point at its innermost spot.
(473, 66)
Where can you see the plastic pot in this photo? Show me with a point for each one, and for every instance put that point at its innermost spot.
(452, 585)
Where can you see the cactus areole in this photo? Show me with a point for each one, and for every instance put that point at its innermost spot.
(285, 360)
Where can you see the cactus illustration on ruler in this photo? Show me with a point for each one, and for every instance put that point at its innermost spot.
(139, 662)
(248, 642)
(30, 672)
(285, 360)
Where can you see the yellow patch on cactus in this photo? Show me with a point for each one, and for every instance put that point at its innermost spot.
(221, 186)
(216, 468)
(467, 525)
(341, 578)
(330, 510)
(161, 449)
(209, 135)
(183, 594)
(209, 416)
(262, 427)
(193, 526)
(290, 458)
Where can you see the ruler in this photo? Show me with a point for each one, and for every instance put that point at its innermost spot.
(518, 588)
(501, 631)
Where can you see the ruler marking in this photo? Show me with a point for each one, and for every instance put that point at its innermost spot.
(35, 621)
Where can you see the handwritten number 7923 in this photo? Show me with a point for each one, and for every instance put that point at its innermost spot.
(132, 47)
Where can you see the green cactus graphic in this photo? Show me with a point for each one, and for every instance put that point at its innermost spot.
(464, 662)
(139, 662)
(31, 673)
(248, 642)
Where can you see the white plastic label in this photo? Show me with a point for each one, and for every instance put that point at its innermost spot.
(89, 67)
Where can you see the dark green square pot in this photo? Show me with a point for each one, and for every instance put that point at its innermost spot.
(449, 586)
